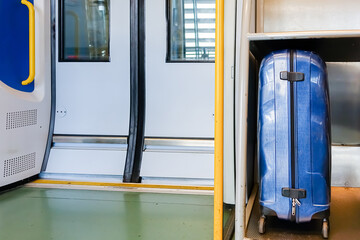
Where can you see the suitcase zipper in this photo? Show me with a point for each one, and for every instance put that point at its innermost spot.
(295, 202)
(293, 193)
(292, 120)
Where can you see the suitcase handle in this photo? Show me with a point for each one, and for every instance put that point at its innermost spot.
(293, 193)
(292, 76)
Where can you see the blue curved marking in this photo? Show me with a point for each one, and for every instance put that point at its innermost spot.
(14, 44)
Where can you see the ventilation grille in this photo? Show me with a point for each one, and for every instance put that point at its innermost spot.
(19, 164)
(21, 119)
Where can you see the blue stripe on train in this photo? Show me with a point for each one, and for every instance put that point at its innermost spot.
(14, 44)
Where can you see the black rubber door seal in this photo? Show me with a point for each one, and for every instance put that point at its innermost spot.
(137, 92)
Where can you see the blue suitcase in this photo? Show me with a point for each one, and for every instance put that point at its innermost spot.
(294, 139)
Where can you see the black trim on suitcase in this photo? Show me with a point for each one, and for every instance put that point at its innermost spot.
(292, 76)
(293, 193)
(292, 120)
(265, 211)
(322, 215)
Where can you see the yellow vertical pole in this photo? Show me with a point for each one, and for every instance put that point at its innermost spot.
(219, 121)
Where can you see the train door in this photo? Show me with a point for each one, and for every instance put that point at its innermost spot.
(180, 53)
(25, 87)
(92, 87)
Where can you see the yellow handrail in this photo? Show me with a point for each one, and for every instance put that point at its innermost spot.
(31, 8)
(76, 30)
(219, 118)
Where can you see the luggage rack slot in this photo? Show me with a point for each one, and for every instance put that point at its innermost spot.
(344, 45)
(342, 49)
(303, 35)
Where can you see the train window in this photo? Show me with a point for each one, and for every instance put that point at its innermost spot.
(84, 30)
(191, 30)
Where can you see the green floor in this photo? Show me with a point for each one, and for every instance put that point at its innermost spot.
(35, 213)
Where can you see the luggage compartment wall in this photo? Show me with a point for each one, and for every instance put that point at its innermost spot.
(309, 15)
(344, 86)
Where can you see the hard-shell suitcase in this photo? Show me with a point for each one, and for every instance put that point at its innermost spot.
(294, 139)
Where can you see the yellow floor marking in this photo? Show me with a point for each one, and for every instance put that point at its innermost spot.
(124, 185)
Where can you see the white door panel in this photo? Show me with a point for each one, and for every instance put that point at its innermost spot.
(179, 104)
(179, 96)
(96, 95)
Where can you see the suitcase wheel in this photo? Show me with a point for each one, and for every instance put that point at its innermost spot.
(262, 223)
(325, 228)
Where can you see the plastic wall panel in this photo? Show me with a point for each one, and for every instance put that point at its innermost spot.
(178, 165)
(344, 85)
(107, 162)
(310, 15)
(345, 166)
